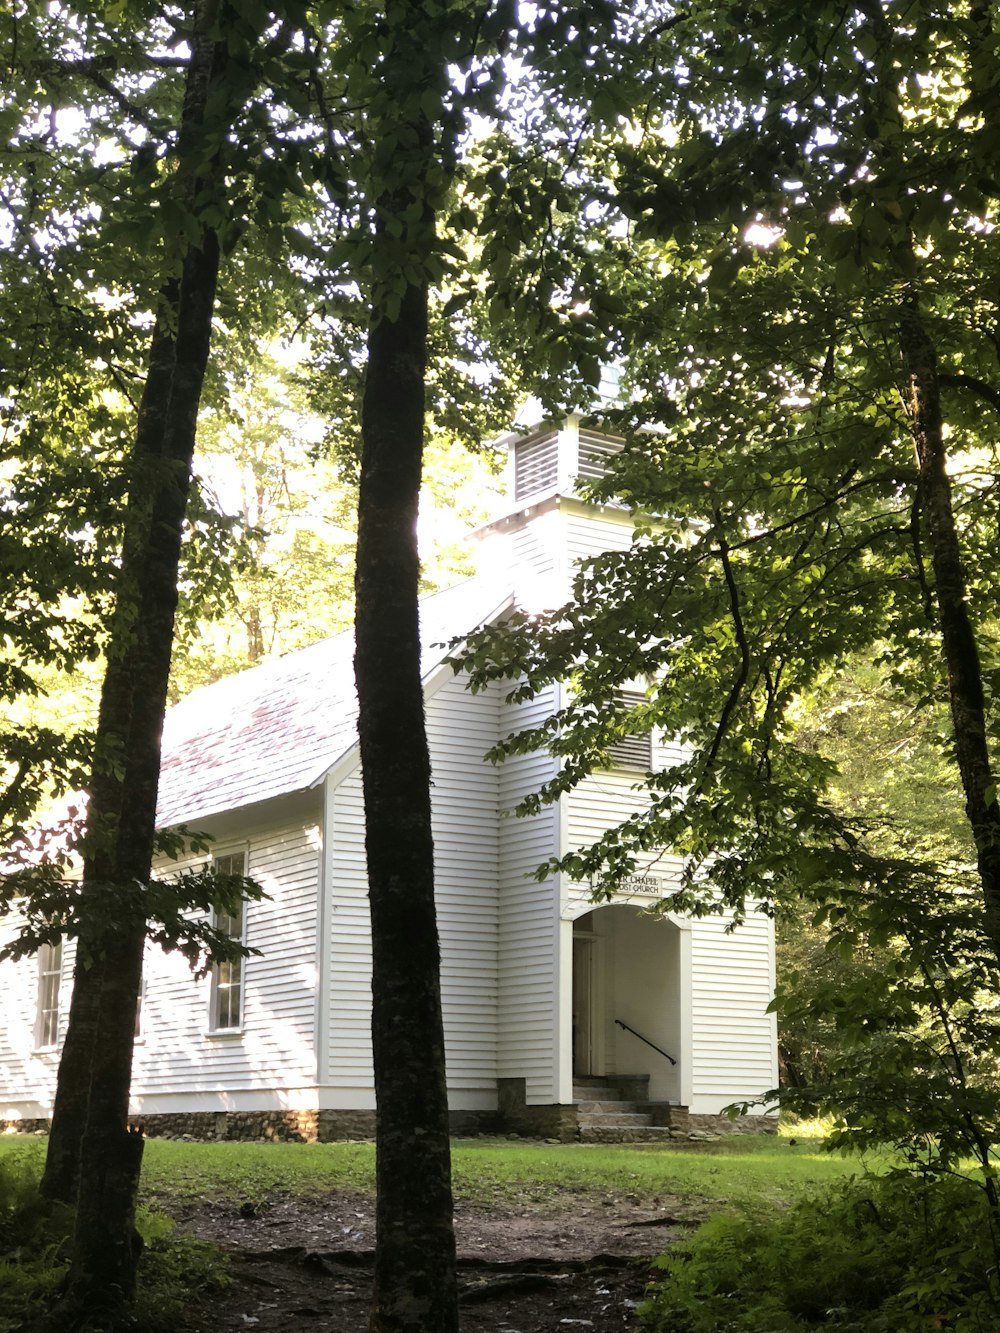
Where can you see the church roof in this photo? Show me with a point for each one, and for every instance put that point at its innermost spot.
(279, 727)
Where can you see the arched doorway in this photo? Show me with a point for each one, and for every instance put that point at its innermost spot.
(628, 1007)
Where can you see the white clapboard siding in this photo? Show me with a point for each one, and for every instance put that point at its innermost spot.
(275, 1048)
(461, 727)
(529, 918)
(27, 1076)
(600, 802)
(27, 1073)
(349, 960)
(591, 533)
(733, 1036)
(536, 562)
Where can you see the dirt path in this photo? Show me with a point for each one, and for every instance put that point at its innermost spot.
(578, 1264)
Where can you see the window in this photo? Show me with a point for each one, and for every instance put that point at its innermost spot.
(633, 751)
(227, 978)
(49, 977)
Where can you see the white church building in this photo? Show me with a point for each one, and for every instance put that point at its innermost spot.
(562, 1017)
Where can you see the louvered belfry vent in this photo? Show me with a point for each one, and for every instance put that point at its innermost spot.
(633, 751)
(536, 464)
(595, 450)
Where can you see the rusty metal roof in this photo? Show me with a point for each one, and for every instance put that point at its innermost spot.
(279, 727)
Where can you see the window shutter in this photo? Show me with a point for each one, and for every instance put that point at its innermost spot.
(536, 465)
(633, 751)
(595, 450)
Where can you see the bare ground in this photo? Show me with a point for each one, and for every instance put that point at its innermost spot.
(577, 1263)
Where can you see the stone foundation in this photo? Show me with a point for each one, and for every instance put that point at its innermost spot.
(270, 1126)
(24, 1126)
(294, 1126)
(676, 1118)
(533, 1122)
(246, 1126)
(514, 1117)
(744, 1124)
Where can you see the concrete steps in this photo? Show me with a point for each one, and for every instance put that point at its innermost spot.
(614, 1110)
(628, 1115)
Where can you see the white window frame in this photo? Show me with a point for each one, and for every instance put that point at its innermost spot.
(140, 1004)
(228, 978)
(47, 1004)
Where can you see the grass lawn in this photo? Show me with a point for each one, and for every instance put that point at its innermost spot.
(487, 1171)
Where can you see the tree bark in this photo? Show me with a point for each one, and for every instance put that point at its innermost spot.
(60, 1178)
(110, 1154)
(415, 1290)
(965, 681)
(92, 1145)
(415, 1284)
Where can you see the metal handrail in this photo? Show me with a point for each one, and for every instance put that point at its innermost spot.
(660, 1049)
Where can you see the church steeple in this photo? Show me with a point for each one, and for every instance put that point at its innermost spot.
(552, 460)
(545, 527)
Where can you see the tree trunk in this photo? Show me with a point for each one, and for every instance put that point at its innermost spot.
(965, 681)
(102, 1276)
(91, 1137)
(415, 1285)
(104, 1251)
(415, 1255)
(60, 1179)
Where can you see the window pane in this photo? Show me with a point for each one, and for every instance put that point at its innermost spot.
(49, 976)
(227, 976)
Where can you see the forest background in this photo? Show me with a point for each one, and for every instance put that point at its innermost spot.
(781, 227)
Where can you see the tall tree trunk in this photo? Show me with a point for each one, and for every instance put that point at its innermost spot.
(104, 1251)
(60, 1178)
(965, 681)
(415, 1255)
(415, 1286)
(92, 1145)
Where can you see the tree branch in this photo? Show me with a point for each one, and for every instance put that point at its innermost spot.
(14, 787)
(744, 672)
(973, 384)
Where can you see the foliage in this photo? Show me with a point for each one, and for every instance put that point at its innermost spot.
(887, 988)
(894, 779)
(291, 580)
(45, 899)
(915, 1016)
(94, 223)
(784, 527)
(35, 1244)
(176, 1270)
(893, 1253)
(894, 771)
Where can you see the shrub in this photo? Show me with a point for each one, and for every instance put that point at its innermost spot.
(33, 1244)
(175, 1269)
(893, 1253)
(35, 1247)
